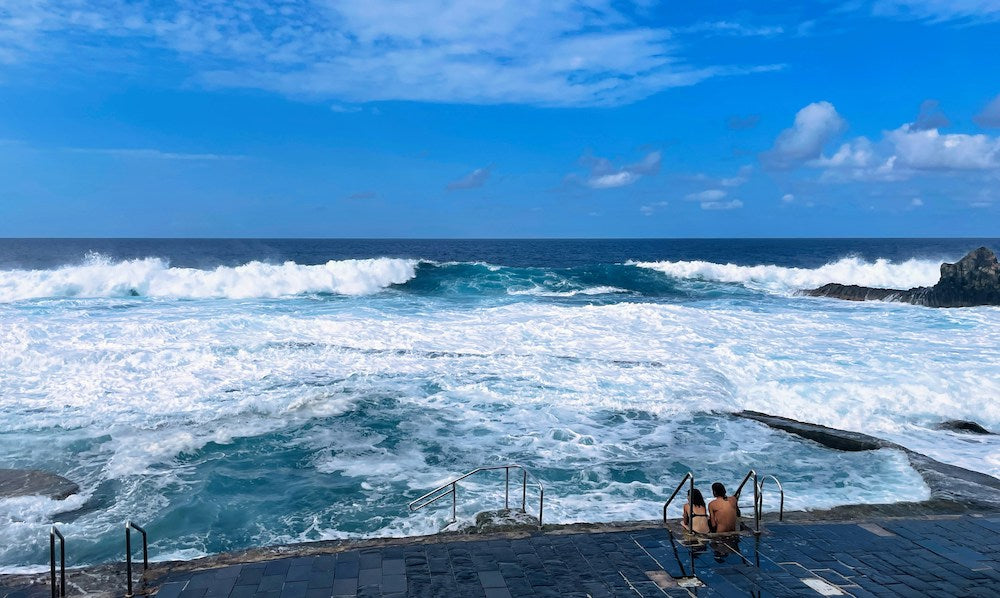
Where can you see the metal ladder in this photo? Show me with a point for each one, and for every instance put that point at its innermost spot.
(59, 591)
(758, 496)
(451, 488)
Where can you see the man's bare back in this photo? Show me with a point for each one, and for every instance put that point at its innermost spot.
(724, 514)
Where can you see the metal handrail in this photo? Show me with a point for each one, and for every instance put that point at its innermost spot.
(688, 477)
(452, 488)
(760, 497)
(129, 526)
(739, 489)
(53, 532)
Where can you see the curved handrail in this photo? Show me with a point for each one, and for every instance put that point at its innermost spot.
(53, 534)
(752, 474)
(746, 478)
(451, 487)
(689, 476)
(129, 526)
(760, 496)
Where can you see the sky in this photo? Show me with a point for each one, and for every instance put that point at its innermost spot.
(504, 118)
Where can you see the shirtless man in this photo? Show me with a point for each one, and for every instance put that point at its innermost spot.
(723, 511)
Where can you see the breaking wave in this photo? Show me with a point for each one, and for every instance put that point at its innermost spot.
(153, 277)
(849, 270)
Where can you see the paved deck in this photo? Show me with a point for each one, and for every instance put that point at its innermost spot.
(955, 556)
(939, 556)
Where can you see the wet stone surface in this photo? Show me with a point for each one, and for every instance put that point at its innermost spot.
(942, 556)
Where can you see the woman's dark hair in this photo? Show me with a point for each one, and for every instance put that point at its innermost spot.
(697, 499)
(718, 490)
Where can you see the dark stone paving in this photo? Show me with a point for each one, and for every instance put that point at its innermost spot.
(946, 556)
(918, 557)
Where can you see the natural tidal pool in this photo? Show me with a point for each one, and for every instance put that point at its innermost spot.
(228, 406)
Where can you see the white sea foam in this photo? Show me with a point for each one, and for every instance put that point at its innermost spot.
(153, 277)
(850, 270)
(544, 292)
(591, 388)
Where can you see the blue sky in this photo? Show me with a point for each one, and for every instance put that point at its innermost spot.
(521, 118)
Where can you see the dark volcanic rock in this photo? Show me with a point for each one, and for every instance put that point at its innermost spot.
(962, 488)
(852, 292)
(30, 482)
(973, 280)
(962, 425)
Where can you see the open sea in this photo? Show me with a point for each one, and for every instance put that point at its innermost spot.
(235, 393)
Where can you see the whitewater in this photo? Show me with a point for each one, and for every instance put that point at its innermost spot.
(265, 401)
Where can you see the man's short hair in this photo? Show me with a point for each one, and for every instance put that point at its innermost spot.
(718, 490)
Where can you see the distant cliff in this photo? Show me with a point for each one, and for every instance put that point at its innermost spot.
(973, 280)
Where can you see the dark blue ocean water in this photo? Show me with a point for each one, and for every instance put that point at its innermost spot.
(554, 253)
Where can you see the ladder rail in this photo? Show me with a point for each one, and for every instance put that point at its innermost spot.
(688, 477)
(53, 534)
(450, 488)
(760, 496)
(129, 526)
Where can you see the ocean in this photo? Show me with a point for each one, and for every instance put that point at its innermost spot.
(235, 393)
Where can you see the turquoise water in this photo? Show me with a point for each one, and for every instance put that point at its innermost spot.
(247, 401)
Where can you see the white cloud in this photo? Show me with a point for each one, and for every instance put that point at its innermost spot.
(722, 205)
(476, 178)
(707, 195)
(733, 28)
(970, 11)
(605, 175)
(815, 126)
(787, 198)
(989, 116)
(900, 153)
(916, 202)
(930, 150)
(152, 154)
(540, 52)
(651, 208)
(610, 181)
(650, 164)
(742, 176)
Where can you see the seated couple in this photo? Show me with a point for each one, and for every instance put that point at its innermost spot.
(719, 516)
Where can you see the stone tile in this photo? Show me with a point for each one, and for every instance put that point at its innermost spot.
(393, 566)
(345, 586)
(294, 589)
(491, 579)
(270, 582)
(393, 583)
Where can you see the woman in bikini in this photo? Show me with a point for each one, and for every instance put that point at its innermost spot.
(698, 522)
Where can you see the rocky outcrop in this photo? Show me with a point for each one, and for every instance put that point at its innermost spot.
(951, 487)
(973, 280)
(963, 425)
(31, 482)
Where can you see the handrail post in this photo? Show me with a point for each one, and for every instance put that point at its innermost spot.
(454, 502)
(506, 488)
(756, 501)
(52, 562)
(541, 501)
(129, 526)
(691, 503)
(524, 490)
(53, 532)
(128, 559)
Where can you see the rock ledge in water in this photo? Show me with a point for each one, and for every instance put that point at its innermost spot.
(31, 482)
(973, 280)
(963, 425)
